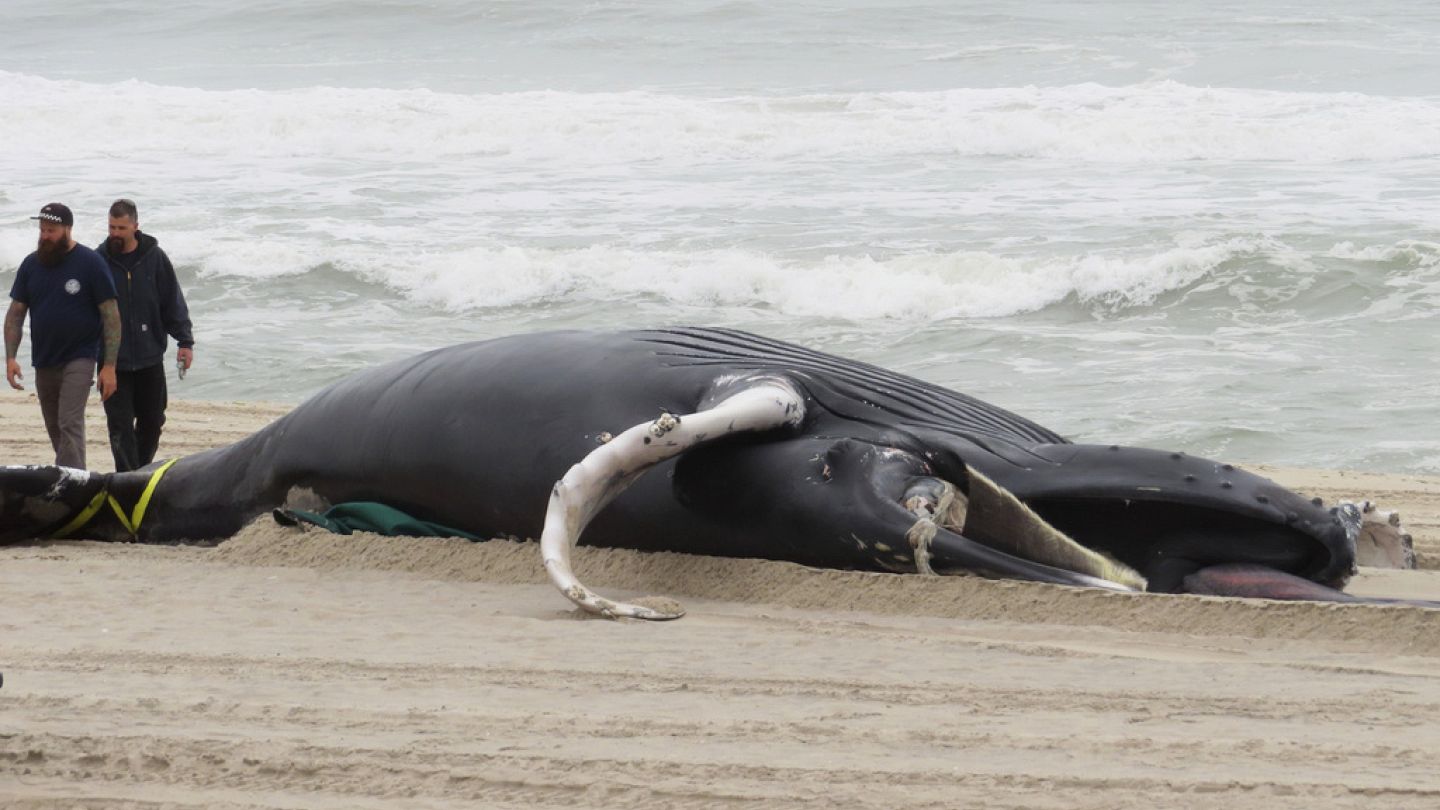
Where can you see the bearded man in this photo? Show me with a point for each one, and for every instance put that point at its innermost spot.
(67, 291)
(151, 307)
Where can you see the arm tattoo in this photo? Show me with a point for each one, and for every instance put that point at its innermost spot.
(110, 325)
(14, 321)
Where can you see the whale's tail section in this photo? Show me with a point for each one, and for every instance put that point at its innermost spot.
(43, 501)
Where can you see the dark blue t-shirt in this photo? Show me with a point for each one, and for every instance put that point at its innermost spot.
(64, 303)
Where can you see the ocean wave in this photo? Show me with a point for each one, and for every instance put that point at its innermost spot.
(1406, 253)
(923, 287)
(1155, 122)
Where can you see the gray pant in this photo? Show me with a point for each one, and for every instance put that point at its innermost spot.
(63, 391)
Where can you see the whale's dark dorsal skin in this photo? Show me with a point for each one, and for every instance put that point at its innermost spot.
(476, 436)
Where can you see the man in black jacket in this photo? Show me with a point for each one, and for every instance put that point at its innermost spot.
(151, 306)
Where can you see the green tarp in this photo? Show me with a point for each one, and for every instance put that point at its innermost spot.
(367, 516)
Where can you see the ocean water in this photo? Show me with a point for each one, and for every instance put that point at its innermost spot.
(1212, 227)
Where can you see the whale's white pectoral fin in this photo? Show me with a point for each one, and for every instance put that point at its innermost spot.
(765, 404)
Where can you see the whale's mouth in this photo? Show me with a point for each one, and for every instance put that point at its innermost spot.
(1166, 540)
(1168, 514)
(993, 516)
(1148, 539)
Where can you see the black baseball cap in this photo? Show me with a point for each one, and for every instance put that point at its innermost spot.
(56, 212)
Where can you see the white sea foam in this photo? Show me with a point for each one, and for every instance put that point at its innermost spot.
(1158, 122)
(969, 284)
(1413, 252)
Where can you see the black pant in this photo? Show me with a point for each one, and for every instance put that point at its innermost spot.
(135, 414)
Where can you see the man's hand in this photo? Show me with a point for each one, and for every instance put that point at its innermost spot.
(107, 382)
(12, 373)
(185, 357)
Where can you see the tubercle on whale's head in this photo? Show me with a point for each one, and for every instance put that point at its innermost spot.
(36, 501)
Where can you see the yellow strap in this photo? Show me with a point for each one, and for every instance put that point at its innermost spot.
(83, 517)
(120, 513)
(131, 522)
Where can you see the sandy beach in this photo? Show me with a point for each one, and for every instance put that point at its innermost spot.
(290, 669)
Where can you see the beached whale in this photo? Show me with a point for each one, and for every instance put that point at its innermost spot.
(714, 441)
